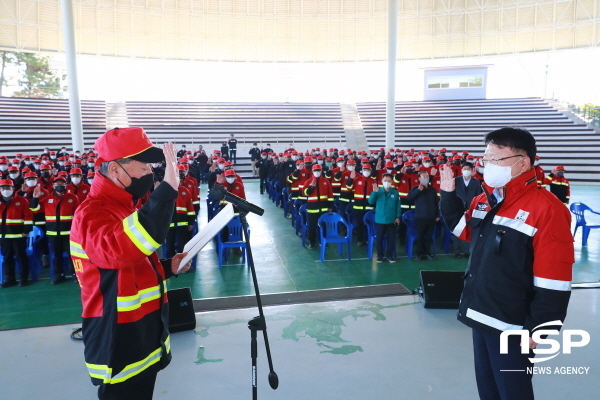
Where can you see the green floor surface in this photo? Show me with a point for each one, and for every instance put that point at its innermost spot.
(282, 265)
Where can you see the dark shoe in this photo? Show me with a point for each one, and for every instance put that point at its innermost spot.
(45, 261)
(418, 258)
(58, 280)
(380, 260)
(8, 284)
(392, 260)
(467, 255)
(310, 246)
(360, 244)
(430, 258)
(23, 282)
(456, 255)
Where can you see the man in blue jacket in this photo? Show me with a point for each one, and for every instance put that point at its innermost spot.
(387, 216)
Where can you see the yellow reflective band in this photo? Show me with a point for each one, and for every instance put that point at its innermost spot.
(56, 233)
(35, 208)
(192, 213)
(11, 236)
(14, 221)
(172, 225)
(40, 223)
(129, 303)
(196, 202)
(182, 223)
(104, 373)
(66, 218)
(313, 198)
(77, 250)
(50, 217)
(181, 208)
(138, 235)
(404, 206)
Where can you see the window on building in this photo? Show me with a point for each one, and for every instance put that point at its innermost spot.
(454, 82)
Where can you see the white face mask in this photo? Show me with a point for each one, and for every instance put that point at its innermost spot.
(3, 167)
(31, 182)
(7, 193)
(480, 170)
(536, 162)
(467, 173)
(90, 180)
(427, 165)
(351, 168)
(497, 176)
(389, 171)
(71, 159)
(221, 166)
(340, 164)
(366, 173)
(230, 180)
(76, 181)
(13, 176)
(61, 163)
(90, 165)
(155, 165)
(294, 158)
(317, 174)
(320, 162)
(387, 184)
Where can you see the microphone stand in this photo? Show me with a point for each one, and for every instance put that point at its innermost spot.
(257, 323)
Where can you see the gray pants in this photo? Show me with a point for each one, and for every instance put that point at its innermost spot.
(460, 246)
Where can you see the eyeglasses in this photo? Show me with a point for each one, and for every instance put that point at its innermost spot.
(496, 161)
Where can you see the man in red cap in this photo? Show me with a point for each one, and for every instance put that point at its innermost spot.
(59, 209)
(361, 186)
(122, 279)
(16, 221)
(317, 190)
(230, 181)
(182, 222)
(539, 171)
(341, 178)
(77, 187)
(559, 185)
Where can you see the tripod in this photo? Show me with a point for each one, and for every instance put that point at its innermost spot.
(257, 323)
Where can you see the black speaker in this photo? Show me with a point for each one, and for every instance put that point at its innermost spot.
(181, 310)
(441, 289)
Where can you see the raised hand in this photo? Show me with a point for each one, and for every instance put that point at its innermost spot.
(433, 171)
(375, 187)
(37, 192)
(353, 175)
(447, 183)
(171, 171)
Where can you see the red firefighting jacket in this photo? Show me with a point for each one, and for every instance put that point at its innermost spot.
(184, 209)
(16, 218)
(403, 182)
(342, 177)
(297, 180)
(81, 190)
(560, 187)
(58, 211)
(320, 197)
(192, 184)
(361, 188)
(520, 269)
(123, 282)
(539, 171)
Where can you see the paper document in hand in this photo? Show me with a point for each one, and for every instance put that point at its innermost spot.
(206, 234)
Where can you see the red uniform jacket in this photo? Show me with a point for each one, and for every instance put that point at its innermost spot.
(38, 215)
(184, 209)
(81, 190)
(123, 282)
(58, 211)
(16, 219)
(320, 197)
(361, 188)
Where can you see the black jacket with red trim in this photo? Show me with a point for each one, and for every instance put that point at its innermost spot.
(123, 282)
(520, 270)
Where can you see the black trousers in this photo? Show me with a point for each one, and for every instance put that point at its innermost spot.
(492, 382)
(59, 244)
(142, 390)
(12, 248)
(313, 227)
(263, 184)
(360, 225)
(425, 228)
(233, 155)
(177, 237)
(386, 232)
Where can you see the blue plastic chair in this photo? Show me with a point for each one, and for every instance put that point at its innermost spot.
(277, 193)
(295, 217)
(579, 210)
(33, 252)
(446, 235)
(410, 218)
(235, 239)
(329, 224)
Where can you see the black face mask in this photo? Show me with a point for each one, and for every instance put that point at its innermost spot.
(45, 174)
(409, 170)
(68, 169)
(560, 174)
(308, 165)
(139, 187)
(60, 189)
(457, 162)
(182, 176)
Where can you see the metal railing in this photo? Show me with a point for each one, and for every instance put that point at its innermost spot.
(587, 112)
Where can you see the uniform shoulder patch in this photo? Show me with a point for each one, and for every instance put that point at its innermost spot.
(18, 203)
(482, 206)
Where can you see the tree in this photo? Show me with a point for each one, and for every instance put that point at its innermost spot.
(37, 79)
(8, 58)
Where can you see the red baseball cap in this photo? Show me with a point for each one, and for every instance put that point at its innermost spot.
(230, 172)
(75, 171)
(130, 143)
(367, 166)
(31, 175)
(316, 166)
(6, 182)
(560, 168)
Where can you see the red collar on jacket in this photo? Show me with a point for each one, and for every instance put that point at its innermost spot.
(108, 191)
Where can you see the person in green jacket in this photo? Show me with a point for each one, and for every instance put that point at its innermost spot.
(387, 216)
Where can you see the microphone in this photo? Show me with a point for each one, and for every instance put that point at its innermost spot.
(218, 192)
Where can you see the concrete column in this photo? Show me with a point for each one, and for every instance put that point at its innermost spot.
(390, 112)
(66, 7)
